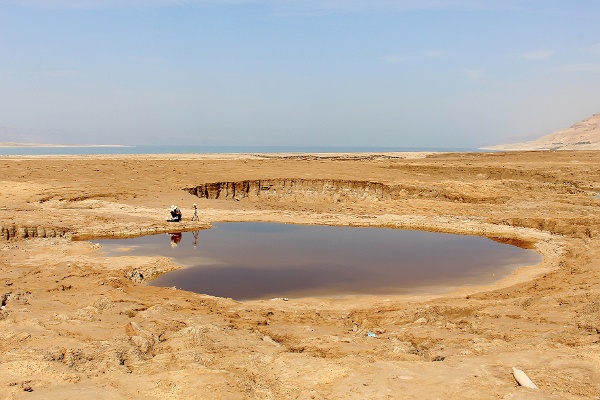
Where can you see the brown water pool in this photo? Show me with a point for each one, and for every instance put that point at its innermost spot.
(265, 260)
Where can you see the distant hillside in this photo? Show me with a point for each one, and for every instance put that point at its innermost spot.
(584, 135)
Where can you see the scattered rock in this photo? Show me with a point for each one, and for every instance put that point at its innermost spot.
(270, 340)
(522, 379)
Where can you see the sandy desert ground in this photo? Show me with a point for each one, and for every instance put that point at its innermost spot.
(76, 324)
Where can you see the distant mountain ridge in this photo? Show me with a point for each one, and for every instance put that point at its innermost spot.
(584, 135)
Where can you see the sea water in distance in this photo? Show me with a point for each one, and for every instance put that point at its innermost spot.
(102, 150)
(265, 260)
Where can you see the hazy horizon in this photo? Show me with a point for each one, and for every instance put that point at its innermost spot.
(384, 73)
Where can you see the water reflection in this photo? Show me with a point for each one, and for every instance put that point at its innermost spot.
(263, 260)
(176, 238)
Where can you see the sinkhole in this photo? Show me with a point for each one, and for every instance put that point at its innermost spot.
(246, 261)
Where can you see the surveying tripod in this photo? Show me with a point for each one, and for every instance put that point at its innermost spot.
(195, 216)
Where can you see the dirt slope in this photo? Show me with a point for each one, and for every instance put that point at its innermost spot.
(584, 135)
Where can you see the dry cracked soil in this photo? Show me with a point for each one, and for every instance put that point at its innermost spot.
(76, 324)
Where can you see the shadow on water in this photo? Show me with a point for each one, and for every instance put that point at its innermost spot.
(263, 260)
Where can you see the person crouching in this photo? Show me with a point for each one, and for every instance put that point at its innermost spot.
(175, 214)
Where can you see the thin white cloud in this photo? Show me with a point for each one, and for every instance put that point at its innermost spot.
(394, 58)
(61, 74)
(382, 5)
(438, 54)
(475, 74)
(425, 54)
(86, 4)
(579, 68)
(538, 55)
(593, 50)
(327, 5)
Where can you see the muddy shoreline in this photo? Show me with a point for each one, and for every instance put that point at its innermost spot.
(87, 327)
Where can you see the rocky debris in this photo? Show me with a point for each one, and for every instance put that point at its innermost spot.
(195, 335)
(404, 347)
(18, 296)
(269, 339)
(136, 276)
(100, 356)
(26, 386)
(149, 271)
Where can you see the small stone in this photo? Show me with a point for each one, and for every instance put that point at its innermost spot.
(421, 321)
(270, 340)
(132, 329)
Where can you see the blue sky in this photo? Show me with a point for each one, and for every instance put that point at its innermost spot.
(402, 73)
